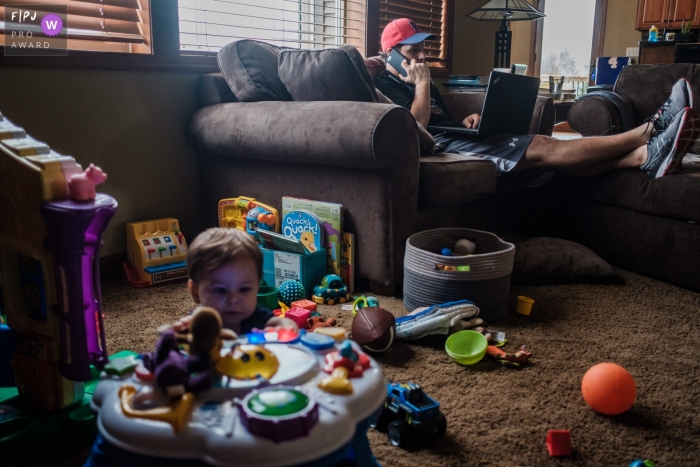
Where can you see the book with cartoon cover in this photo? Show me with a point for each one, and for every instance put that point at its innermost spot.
(331, 216)
(306, 227)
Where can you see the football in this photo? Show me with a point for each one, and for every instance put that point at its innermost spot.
(374, 329)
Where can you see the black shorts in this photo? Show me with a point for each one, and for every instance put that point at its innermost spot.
(504, 150)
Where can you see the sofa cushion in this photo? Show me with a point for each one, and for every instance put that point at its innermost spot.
(326, 75)
(451, 179)
(546, 260)
(375, 65)
(250, 69)
(673, 196)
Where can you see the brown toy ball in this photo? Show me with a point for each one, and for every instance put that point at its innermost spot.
(374, 329)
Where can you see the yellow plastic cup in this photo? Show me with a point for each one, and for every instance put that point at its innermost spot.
(524, 305)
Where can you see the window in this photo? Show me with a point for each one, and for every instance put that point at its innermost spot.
(99, 25)
(431, 16)
(208, 25)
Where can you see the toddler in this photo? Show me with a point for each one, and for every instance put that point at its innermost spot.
(225, 267)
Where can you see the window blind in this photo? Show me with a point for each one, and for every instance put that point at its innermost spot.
(125, 24)
(429, 15)
(208, 25)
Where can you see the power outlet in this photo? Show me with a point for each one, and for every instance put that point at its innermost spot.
(632, 51)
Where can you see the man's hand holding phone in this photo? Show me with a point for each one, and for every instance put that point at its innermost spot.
(411, 73)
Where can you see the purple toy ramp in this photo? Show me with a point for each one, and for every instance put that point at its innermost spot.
(75, 237)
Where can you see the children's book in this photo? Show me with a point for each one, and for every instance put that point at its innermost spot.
(331, 215)
(306, 227)
(275, 241)
(348, 261)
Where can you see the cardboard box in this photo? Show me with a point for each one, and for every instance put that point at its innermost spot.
(279, 266)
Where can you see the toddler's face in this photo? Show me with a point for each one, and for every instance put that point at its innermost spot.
(232, 290)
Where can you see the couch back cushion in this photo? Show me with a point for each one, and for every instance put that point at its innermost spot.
(250, 69)
(326, 75)
(648, 86)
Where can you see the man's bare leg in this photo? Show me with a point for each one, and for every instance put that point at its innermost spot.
(576, 154)
(631, 160)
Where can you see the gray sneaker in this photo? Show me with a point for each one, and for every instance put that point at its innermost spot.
(680, 98)
(666, 149)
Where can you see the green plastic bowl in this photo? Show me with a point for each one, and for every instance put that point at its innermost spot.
(466, 347)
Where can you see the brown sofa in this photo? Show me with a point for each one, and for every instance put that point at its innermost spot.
(365, 155)
(649, 226)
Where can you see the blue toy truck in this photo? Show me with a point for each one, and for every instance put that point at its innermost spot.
(331, 291)
(410, 415)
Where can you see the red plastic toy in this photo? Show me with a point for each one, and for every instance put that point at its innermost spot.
(559, 443)
(306, 304)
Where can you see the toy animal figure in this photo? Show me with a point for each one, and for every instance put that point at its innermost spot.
(81, 187)
(176, 373)
(515, 360)
(321, 322)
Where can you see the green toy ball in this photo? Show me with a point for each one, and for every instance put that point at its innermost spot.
(291, 291)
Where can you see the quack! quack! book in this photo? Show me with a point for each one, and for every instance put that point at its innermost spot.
(331, 216)
(306, 227)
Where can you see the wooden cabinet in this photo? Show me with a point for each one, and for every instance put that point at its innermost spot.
(667, 14)
(656, 52)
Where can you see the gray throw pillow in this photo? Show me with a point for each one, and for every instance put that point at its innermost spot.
(326, 75)
(545, 261)
(250, 69)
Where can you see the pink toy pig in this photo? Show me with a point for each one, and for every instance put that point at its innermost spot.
(81, 187)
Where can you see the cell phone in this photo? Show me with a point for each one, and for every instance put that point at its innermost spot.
(395, 59)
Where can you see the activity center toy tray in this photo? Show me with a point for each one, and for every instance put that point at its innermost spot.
(297, 422)
(482, 278)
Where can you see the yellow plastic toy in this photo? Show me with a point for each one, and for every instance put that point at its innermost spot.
(248, 215)
(248, 362)
(156, 252)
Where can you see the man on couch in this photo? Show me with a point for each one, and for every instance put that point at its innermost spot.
(656, 147)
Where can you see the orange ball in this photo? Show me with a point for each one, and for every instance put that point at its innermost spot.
(609, 389)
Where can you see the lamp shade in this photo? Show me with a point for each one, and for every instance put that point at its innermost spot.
(510, 10)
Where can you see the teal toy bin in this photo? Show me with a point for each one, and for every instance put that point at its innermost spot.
(279, 266)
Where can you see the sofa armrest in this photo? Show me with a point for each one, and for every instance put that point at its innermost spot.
(356, 135)
(464, 104)
(598, 116)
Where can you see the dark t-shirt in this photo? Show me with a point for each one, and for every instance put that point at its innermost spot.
(403, 94)
(258, 319)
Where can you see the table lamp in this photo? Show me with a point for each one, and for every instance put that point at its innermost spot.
(503, 11)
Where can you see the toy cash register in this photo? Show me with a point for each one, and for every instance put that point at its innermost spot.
(156, 252)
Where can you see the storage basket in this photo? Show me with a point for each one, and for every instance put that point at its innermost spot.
(486, 283)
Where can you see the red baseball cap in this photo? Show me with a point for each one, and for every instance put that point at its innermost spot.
(402, 31)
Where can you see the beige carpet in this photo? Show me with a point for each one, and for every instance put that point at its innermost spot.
(499, 416)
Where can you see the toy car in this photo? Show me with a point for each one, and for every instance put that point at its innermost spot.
(410, 415)
(331, 291)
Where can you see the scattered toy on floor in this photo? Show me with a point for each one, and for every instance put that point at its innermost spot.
(514, 360)
(331, 291)
(410, 416)
(559, 443)
(642, 463)
(363, 301)
(524, 305)
(609, 389)
(436, 319)
(316, 322)
(374, 329)
(291, 291)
